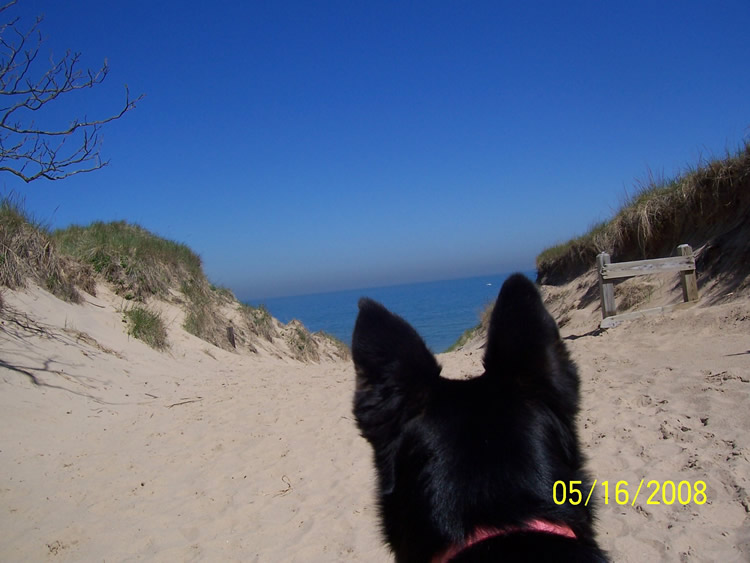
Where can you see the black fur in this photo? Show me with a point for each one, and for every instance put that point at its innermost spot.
(455, 455)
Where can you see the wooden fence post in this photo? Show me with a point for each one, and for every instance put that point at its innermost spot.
(688, 279)
(606, 289)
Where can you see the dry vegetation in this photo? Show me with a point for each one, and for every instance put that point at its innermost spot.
(141, 266)
(203, 316)
(709, 205)
(634, 293)
(301, 343)
(471, 333)
(28, 252)
(258, 321)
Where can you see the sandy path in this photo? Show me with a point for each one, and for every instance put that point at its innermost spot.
(187, 456)
(667, 400)
(111, 451)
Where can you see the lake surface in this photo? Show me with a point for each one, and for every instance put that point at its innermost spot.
(440, 311)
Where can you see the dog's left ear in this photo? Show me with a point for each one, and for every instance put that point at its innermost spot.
(394, 370)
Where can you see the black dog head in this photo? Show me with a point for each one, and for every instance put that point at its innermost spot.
(454, 456)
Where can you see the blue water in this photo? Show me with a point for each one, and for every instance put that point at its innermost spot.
(440, 311)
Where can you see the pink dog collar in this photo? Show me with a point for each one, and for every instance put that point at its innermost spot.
(481, 534)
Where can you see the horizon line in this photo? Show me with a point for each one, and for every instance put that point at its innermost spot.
(260, 301)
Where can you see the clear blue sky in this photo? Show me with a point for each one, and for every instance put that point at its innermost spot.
(311, 146)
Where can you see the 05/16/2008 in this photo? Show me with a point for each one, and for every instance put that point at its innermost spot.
(682, 492)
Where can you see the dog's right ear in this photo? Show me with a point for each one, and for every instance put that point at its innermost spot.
(394, 370)
(523, 343)
(522, 335)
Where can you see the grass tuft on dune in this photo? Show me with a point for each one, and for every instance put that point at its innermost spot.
(147, 325)
(709, 202)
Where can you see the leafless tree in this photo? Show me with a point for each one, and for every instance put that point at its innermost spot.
(31, 151)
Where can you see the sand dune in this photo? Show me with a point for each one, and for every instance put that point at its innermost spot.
(111, 451)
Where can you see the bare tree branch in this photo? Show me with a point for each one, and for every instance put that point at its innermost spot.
(30, 151)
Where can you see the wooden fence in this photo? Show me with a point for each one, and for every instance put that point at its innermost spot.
(610, 272)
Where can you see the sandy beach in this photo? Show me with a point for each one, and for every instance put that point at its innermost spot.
(112, 451)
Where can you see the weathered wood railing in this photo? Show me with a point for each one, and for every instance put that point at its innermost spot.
(610, 272)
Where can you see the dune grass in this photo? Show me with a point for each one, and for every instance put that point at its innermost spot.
(259, 321)
(342, 349)
(481, 328)
(701, 203)
(147, 325)
(27, 251)
(138, 263)
(467, 335)
(301, 343)
(202, 316)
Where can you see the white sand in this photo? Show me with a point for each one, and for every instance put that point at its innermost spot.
(111, 451)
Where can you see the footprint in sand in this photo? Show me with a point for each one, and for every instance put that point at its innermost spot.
(644, 401)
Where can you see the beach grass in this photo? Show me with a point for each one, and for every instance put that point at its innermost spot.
(301, 343)
(259, 321)
(479, 329)
(28, 251)
(147, 325)
(702, 202)
(203, 317)
(140, 264)
(342, 348)
(135, 261)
